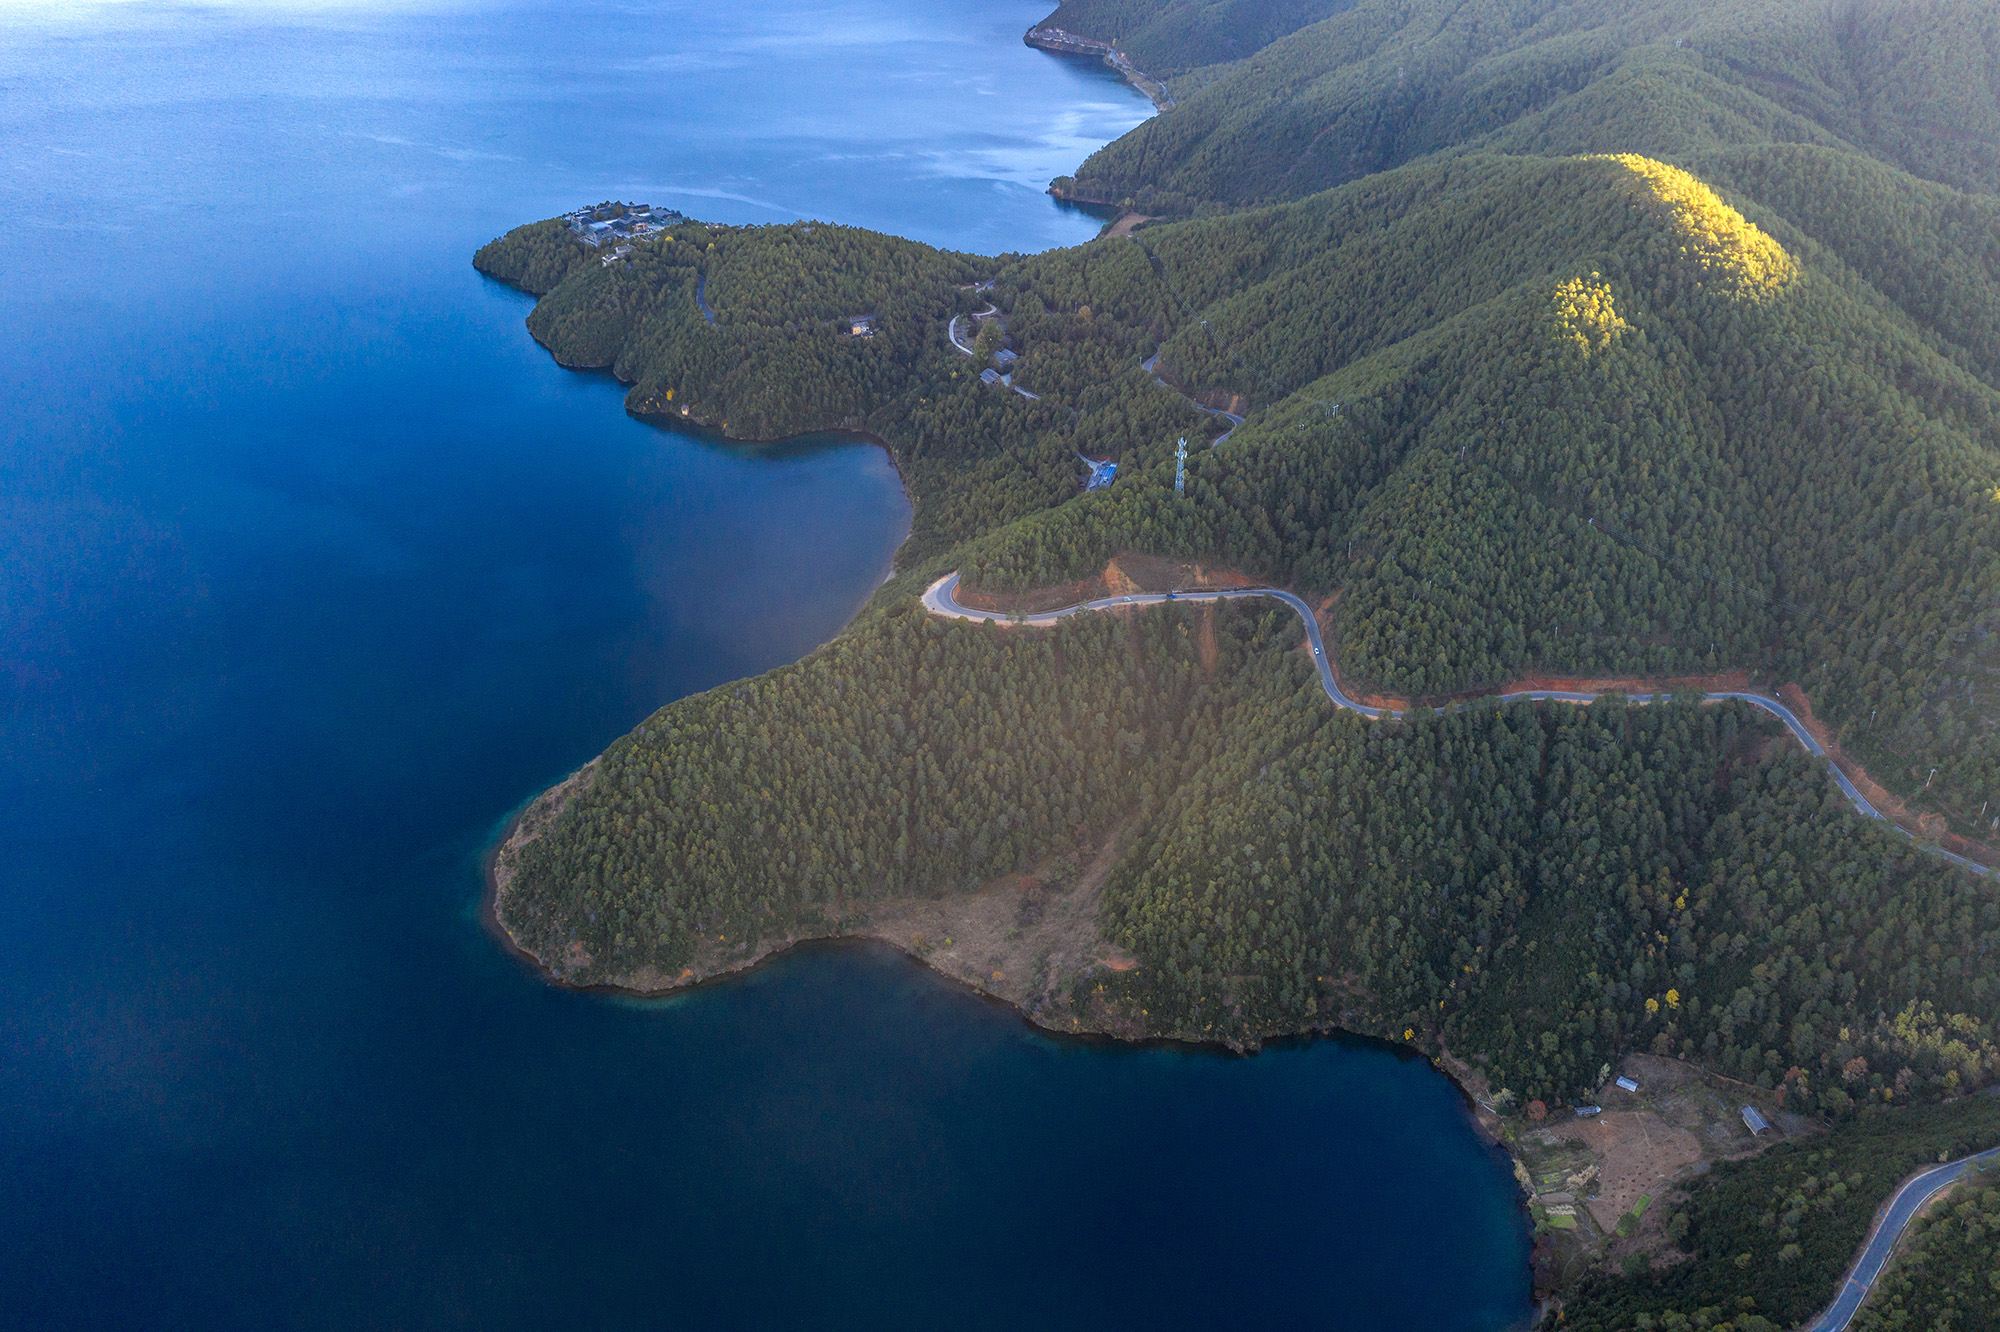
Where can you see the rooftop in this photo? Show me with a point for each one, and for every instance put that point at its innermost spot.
(618, 221)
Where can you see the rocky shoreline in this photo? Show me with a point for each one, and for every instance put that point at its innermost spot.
(1047, 38)
(1040, 927)
(1028, 940)
(1046, 915)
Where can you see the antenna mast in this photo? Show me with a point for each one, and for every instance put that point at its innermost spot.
(1180, 467)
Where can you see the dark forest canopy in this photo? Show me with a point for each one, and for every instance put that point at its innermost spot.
(1546, 886)
(1171, 37)
(1595, 338)
(1389, 81)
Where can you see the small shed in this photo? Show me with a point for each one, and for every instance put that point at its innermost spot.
(989, 376)
(1586, 1111)
(1626, 1084)
(1754, 1121)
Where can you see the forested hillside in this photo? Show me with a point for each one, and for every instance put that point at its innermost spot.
(1169, 37)
(1577, 339)
(1389, 81)
(1769, 1239)
(776, 355)
(1564, 415)
(1576, 416)
(1296, 866)
(1549, 888)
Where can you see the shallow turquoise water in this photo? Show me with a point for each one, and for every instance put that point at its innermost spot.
(312, 566)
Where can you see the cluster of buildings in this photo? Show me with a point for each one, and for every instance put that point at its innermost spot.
(609, 223)
(1004, 377)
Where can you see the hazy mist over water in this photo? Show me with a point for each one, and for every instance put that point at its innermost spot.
(313, 566)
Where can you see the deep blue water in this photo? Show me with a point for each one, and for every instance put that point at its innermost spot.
(313, 566)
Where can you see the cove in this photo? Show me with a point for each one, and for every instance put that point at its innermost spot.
(313, 565)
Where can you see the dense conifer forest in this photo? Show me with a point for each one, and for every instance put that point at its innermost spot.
(1388, 81)
(1593, 338)
(1166, 38)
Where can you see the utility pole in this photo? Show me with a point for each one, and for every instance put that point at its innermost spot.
(1180, 467)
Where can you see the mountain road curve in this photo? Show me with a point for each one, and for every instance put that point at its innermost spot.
(941, 599)
(951, 329)
(1890, 1224)
(1234, 420)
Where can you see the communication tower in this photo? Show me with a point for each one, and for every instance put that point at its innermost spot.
(1180, 467)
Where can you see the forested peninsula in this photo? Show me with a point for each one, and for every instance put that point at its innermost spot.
(1603, 339)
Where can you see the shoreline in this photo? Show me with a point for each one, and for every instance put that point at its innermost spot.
(1454, 1071)
(709, 432)
(493, 889)
(848, 434)
(1484, 1124)
(951, 913)
(1088, 1024)
(1058, 42)
(550, 803)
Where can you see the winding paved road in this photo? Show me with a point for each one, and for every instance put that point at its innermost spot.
(951, 329)
(1890, 1223)
(1231, 417)
(941, 599)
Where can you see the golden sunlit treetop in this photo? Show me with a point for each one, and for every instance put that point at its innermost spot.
(1730, 249)
(1585, 314)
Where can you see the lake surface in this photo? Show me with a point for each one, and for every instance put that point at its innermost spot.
(313, 566)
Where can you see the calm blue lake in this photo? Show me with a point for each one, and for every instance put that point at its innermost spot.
(313, 567)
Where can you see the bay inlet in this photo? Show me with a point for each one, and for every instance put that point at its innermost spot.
(314, 565)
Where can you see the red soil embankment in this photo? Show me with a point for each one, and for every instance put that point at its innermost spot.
(1722, 681)
(1387, 702)
(1129, 572)
(1700, 684)
(1927, 826)
(1704, 684)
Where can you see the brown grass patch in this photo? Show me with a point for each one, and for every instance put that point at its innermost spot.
(1638, 1154)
